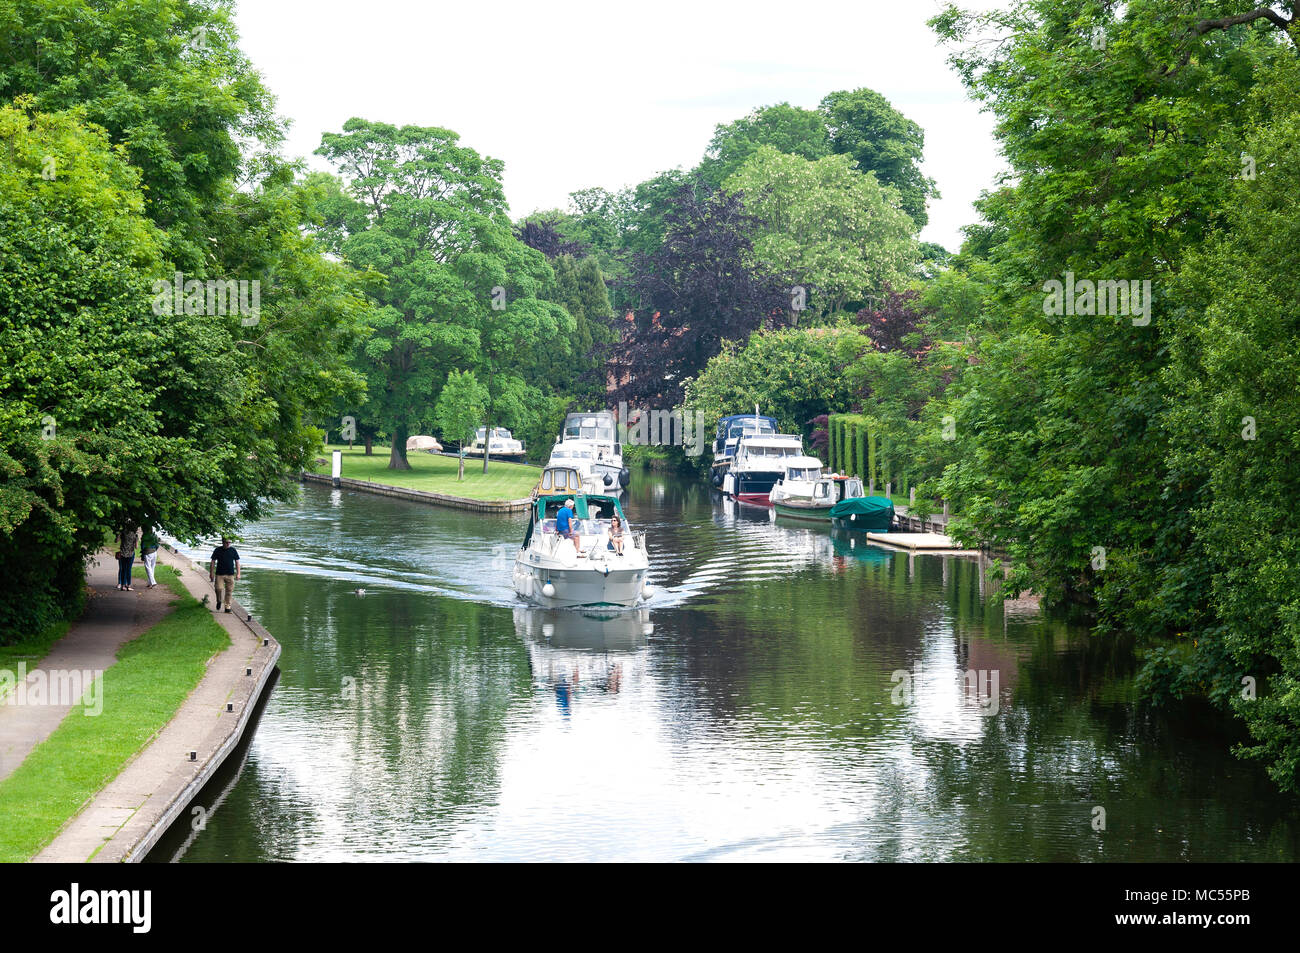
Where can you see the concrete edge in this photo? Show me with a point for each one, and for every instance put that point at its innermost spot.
(422, 496)
(134, 853)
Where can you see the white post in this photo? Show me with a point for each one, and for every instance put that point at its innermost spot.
(338, 466)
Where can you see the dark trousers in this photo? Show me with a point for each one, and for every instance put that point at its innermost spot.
(124, 564)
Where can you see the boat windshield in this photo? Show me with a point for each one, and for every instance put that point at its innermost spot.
(740, 429)
(773, 451)
(808, 474)
(590, 427)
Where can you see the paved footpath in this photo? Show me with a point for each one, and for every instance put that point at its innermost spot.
(125, 819)
(111, 619)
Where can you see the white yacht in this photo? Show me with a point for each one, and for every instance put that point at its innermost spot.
(759, 462)
(730, 430)
(584, 456)
(502, 446)
(601, 430)
(551, 571)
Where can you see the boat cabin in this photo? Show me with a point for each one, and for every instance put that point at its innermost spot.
(731, 429)
(599, 427)
(560, 479)
(591, 514)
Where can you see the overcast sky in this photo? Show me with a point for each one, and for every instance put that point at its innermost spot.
(579, 94)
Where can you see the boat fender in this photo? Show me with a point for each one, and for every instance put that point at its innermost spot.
(647, 591)
(548, 590)
(625, 476)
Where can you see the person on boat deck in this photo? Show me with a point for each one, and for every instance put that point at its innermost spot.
(564, 526)
(616, 534)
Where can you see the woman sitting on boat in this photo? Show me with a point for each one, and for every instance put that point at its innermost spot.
(616, 534)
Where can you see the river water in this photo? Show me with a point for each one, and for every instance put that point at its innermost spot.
(788, 694)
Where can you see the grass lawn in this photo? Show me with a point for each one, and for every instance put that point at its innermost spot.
(142, 691)
(437, 474)
(31, 649)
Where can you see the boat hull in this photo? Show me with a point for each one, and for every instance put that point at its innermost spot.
(751, 486)
(579, 586)
(810, 514)
(512, 456)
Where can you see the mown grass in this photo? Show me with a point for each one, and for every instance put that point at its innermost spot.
(31, 649)
(437, 474)
(153, 675)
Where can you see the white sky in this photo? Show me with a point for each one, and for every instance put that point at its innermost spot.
(584, 94)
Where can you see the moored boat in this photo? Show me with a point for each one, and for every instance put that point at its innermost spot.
(758, 465)
(601, 430)
(800, 495)
(871, 513)
(550, 571)
(502, 446)
(584, 456)
(730, 430)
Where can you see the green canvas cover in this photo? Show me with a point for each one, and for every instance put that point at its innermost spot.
(873, 513)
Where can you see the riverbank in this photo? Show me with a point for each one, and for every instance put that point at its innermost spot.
(432, 479)
(171, 687)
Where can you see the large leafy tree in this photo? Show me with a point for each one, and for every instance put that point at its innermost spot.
(787, 129)
(114, 409)
(700, 287)
(460, 290)
(1235, 425)
(1125, 128)
(837, 232)
(1062, 449)
(862, 125)
(792, 374)
(167, 80)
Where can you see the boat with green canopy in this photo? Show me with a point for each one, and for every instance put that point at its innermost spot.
(871, 513)
(595, 565)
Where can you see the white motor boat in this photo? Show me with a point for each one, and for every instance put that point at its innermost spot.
(601, 430)
(759, 463)
(502, 446)
(551, 571)
(730, 430)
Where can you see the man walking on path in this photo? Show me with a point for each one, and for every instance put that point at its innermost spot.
(223, 570)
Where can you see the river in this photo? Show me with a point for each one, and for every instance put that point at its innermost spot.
(788, 694)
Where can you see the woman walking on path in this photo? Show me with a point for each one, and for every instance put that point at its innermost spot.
(149, 544)
(126, 543)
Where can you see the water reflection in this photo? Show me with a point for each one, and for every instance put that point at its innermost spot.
(576, 652)
(791, 693)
